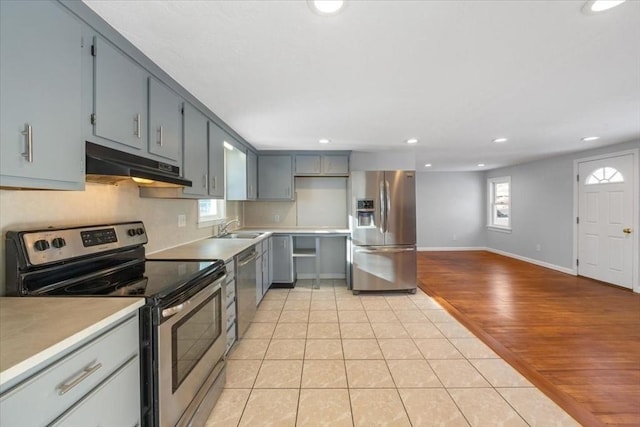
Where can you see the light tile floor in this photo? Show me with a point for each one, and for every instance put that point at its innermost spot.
(324, 357)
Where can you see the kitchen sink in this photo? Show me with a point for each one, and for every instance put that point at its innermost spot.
(239, 236)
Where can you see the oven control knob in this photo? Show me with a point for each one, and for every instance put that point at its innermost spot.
(41, 245)
(131, 232)
(58, 242)
(140, 231)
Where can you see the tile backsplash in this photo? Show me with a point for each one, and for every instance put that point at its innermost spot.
(100, 203)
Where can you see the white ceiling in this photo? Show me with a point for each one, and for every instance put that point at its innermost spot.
(454, 74)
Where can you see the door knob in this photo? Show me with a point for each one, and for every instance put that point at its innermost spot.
(627, 230)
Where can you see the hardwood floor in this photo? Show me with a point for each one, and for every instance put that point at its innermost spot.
(575, 338)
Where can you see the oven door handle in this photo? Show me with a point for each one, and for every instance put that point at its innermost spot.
(168, 312)
(197, 298)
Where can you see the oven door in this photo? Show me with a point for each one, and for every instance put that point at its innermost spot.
(191, 345)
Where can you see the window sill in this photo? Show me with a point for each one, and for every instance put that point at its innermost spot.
(499, 229)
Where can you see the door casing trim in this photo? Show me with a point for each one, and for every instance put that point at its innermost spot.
(635, 285)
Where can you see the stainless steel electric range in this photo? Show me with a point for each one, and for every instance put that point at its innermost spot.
(182, 325)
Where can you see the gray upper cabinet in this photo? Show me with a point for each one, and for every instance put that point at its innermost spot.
(216, 161)
(165, 121)
(252, 175)
(275, 175)
(120, 98)
(307, 164)
(235, 172)
(195, 162)
(335, 164)
(322, 164)
(41, 143)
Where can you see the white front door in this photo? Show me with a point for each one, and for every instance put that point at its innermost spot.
(606, 200)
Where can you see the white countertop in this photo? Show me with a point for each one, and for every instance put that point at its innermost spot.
(225, 249)
(33, 330)
(209, 249)
(320, 231)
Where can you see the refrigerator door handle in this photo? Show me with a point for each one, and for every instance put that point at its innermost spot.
(387, 209)
(385, 250)
(383, 206)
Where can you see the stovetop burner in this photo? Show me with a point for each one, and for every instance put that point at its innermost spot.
(101, 260)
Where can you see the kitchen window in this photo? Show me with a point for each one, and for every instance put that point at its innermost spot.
(210, 212)
(499, 203)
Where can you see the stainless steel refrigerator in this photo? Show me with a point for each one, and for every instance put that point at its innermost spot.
(382, 220)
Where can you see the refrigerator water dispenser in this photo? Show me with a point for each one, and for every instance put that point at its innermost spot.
(365, 213)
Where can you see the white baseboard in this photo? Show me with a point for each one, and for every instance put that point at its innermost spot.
(452, 248)
(566, 270)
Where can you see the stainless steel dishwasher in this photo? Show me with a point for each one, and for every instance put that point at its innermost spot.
(246, 286)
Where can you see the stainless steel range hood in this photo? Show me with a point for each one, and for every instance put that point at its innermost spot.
(108, 166)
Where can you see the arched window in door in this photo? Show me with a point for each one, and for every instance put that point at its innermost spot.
(605, 175)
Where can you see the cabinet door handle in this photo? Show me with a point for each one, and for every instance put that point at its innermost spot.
(65, 387)
(137, 130)
(204, 181)
(160, 135)
(214, 183)
(28, 133)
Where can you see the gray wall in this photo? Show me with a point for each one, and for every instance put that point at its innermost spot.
(448, 204)
(542, 207)
(451, 203)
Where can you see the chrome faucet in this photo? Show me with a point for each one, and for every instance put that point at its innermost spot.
(222, 229)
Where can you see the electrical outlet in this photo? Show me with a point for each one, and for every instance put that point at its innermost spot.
(276, 218)
(182, 220)
(538, 247)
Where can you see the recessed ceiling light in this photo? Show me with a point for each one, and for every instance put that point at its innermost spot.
(427, 165)
(411, 141)
(596, 6)
(500, 140)
(480, 165)
(590, 138)
(326, 7)
(324, 141)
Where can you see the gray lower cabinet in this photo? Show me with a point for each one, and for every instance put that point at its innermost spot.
(282, 259)
(195, 162)
(259, 293)
(41, 143)
(165, 121)
(266, 265)
(275, 175)
(263, 268)
(231, 301)
(216, 162)
(98, 408)
(97, 383)
(120, 98)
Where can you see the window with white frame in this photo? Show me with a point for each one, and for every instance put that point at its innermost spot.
(210, 211)
(499, 206)
(606, 175)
